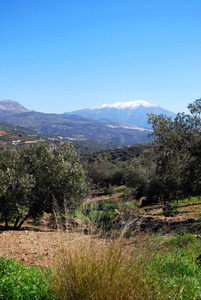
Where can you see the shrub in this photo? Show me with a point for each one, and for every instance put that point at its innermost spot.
(104, 214)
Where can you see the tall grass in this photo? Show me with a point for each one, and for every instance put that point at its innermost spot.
(157, 268)
(93, 270)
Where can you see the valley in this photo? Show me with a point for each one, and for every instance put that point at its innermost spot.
(74, 127)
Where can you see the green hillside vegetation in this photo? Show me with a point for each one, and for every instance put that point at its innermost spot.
(76, 127)
(117, 154)
(12, 135)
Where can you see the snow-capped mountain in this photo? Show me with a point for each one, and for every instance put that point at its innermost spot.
(122, 105)
(131, 113)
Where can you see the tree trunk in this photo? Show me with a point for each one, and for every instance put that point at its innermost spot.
(16, 222)
(6, 223)
(22, 222)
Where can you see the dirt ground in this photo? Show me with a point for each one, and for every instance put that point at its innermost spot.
(37, 245)
(29, 246)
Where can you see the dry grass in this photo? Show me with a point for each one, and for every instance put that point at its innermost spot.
(94, 269)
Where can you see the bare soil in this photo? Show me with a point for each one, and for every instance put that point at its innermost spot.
(37, 245)
(29, 246)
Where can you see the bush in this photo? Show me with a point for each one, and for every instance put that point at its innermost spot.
(104, 214)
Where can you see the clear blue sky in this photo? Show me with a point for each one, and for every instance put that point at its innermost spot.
(64, 55)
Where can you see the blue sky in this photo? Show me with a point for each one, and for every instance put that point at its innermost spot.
(64, 55)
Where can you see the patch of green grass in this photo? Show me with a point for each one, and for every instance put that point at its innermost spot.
(175, 269)
(99, 191)
(78, 214)
(20, 282)
(120, 188)
(188, 200)
(131, 205)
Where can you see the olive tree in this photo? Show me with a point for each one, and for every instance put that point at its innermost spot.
(178, 147)
(15, 189)
(35, 176)
(173, 170)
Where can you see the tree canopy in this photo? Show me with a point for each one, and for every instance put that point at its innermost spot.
(173, 170)
(33, 177)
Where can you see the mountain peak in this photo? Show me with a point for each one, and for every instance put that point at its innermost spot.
(123, 105)
(10, 105)
(131, 113)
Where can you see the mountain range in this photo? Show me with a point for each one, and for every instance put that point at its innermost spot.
(130, 113)
(105, 123)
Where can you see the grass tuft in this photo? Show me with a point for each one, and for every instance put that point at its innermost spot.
(91, 270)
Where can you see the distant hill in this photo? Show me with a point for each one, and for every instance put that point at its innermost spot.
(14, 106)
(76, 128)
(130, 113)
(12, 135)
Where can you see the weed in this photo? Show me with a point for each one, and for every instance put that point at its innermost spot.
(19, 282)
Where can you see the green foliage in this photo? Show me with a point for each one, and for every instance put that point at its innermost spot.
(99, 191)
(120, 188)
(16, 185)
(178, 163)
(19, 282)
(109, 190)
(140, 175)
(175, 270)
(173, 170)
(104, 214)
(105, 173)
(131, 205)
(122, 197)
(33, 178)
(118, 154)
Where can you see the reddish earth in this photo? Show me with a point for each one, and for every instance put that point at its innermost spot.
(29, 246)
